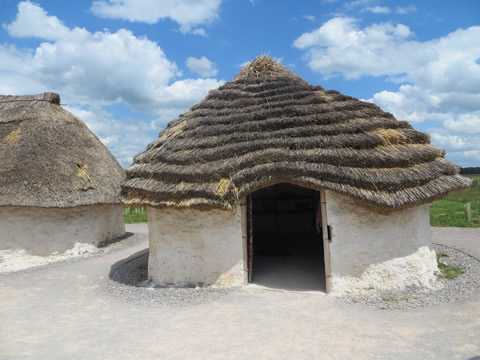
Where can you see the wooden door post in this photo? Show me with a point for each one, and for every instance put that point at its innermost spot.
(326, 244)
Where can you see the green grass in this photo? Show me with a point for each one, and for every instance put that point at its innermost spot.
(134, 215)
(450, 210)
(448, 271)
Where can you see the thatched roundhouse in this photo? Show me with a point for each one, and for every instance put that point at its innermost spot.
(242, 174)
(58, 183)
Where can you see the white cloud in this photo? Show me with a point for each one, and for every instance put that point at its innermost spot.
(357, 3)
(454, 142)
(411, 103)
(201, 66)
(13, 79)
(122, 138)
(405, 10)
(340, 46)
(379, 9)
(100, 67)
(92, 70)
(371, 6)
(475, 154)
(184, 93)
(465, 124)
(463, 149)
(187, 13)
(438, 79)
(460, 128)
(367, 5)
(199, 31)
(309, 17)
(32, 21)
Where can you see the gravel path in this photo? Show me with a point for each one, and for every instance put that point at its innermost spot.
(67, 311)
(129, 282)
(128, 278)
(453, 289)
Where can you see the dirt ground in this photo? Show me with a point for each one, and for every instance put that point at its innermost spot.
(65, 311)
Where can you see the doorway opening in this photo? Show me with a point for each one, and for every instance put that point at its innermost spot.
(285, 250)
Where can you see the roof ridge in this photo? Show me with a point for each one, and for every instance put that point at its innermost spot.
(51, 97)
(266, 67)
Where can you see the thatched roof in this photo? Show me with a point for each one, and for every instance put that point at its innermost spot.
(49, 158)
(268, 126)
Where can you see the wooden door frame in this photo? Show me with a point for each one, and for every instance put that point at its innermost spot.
(326, 243)
(247, 239)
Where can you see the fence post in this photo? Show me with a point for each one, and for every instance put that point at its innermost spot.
(468, 211)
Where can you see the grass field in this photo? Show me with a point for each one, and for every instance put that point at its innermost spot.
(450, 210)
(134, 215)
(446, 212)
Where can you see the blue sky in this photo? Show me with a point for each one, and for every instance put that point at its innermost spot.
(128, 67)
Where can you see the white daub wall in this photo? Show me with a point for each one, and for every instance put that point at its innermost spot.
(42, 231)
(190, 246)
(387, 252)
(368, 250)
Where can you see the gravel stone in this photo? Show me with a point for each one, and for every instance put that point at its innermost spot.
(453, 290)
(129, 282)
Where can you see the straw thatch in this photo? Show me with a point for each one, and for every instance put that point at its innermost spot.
(269, 126)
(49, 158)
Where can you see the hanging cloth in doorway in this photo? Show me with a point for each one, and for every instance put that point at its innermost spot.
(318, 219)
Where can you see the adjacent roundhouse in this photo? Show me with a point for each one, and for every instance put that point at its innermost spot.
(58, 183)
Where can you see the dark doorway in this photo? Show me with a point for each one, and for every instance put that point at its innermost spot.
(286, 250)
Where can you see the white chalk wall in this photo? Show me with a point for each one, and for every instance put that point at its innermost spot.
(42, 231)
(363, 239)
(190, 246)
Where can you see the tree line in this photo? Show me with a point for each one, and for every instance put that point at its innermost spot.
(470, 170)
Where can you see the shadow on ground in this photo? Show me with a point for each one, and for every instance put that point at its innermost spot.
(132, 271)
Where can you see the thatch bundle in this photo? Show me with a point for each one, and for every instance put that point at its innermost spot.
(49, 158)
(268, 126)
